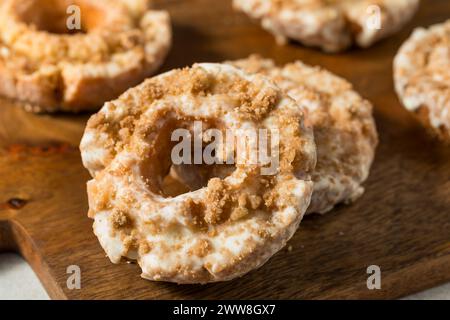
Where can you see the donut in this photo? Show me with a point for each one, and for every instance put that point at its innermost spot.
(422, 77)
(332, 25)
(47, 67)
(344, 128)
(238, 216)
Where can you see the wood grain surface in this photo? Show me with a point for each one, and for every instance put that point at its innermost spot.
(401, 224)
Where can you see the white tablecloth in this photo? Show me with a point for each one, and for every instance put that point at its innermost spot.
(18, 281)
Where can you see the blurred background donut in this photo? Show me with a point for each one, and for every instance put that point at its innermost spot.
(49, 63)
(422, 77)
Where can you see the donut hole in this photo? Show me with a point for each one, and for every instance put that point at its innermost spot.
(168, 179)
(52, 16)
(183, 179)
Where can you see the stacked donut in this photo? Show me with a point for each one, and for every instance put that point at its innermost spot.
(199, 223)
(344, 128)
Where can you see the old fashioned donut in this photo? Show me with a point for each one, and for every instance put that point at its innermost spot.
(422, 77)
(344, 128)
(332, 25)
(232, 222)
(47, 67)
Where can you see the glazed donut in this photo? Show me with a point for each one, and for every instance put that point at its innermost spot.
(232, 222)
(422, 77)
(47, 68)
(344, 128)
(331, 25)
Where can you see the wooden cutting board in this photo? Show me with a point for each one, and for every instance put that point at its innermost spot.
(401, 224)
